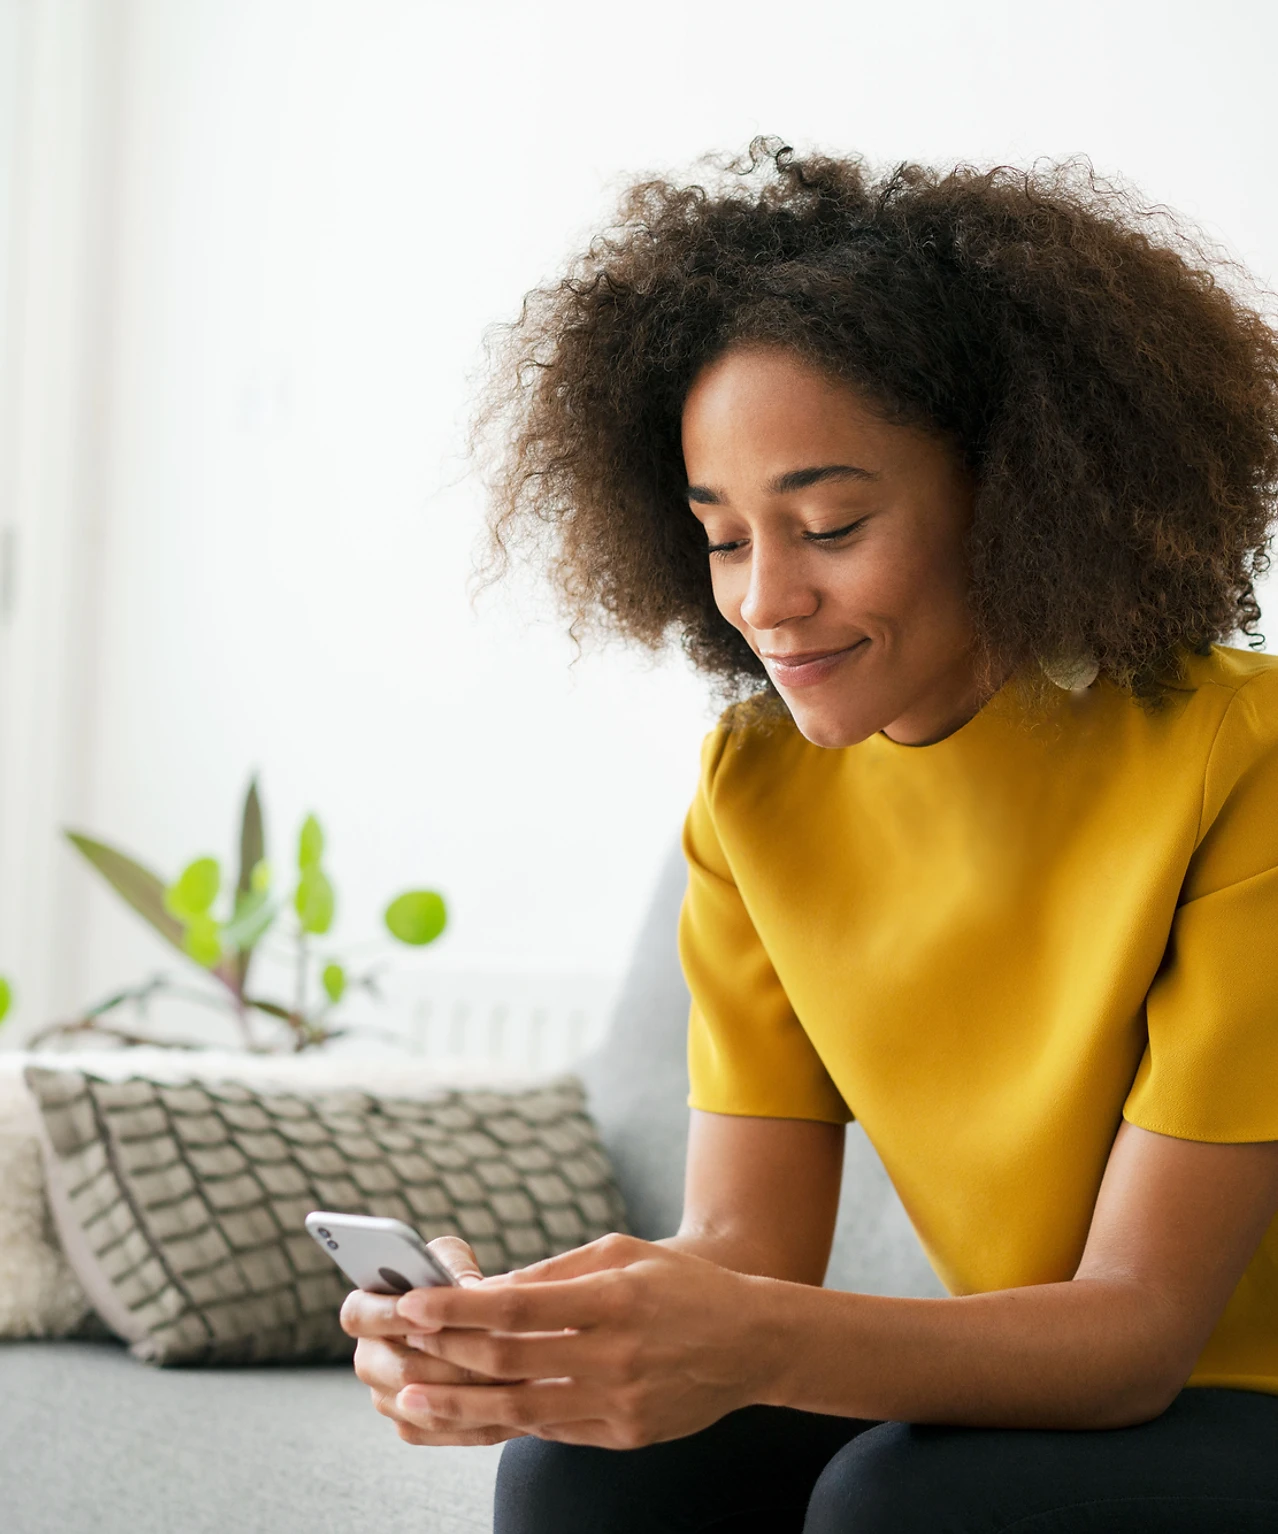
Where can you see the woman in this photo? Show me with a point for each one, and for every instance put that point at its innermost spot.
(984, 464)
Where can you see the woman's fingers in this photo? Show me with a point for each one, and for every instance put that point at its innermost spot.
(470, 1438)
(559, 1410)
(590, 1300)
(521, 1408)
(612, 1251)
(430, 1434)
(563, 1411)
(388, 1363)
(387, 1371)
(457, 1257)
(534, 1355)
(386, 1366)
(364, 1314)
(595, 1431)
(620, 1344)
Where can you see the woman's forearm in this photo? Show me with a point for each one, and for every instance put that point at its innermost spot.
(1082, 1354)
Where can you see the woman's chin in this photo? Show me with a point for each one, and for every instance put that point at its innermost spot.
(830, 727)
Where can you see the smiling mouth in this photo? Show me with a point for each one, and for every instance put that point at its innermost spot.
(805, 667)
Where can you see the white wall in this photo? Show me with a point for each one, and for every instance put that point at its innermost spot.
(60, 63)
(316, 208)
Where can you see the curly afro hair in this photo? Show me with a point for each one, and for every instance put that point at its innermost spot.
(1111, 383)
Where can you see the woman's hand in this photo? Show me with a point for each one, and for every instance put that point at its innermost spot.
(620, 1343)
(387, 1363)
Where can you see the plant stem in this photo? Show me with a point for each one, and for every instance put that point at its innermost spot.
(299, 988)
(242, 1018)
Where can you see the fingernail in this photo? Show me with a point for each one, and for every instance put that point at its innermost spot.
(419, 1340)
(469, 1280)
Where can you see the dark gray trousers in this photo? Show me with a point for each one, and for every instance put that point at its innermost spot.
(1209, 1464)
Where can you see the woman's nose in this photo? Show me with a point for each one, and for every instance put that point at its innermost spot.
(778, 591)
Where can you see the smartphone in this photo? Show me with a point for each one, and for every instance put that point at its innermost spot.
(383, 1256)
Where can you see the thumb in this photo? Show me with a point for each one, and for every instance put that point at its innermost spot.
(456, 1256)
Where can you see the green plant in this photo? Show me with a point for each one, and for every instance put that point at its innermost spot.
(6, 997)
(186, 915)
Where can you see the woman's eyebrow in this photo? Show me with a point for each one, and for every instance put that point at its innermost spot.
(800, 479)
(793, 479)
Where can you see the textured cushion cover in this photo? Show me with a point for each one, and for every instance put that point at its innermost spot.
(180, 1206)
(40, 1295)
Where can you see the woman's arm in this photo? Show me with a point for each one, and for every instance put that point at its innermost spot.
(761, 1195)
(636, 1342)
(1176, 1223)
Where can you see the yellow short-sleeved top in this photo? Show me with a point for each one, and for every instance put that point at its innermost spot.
(990, 949)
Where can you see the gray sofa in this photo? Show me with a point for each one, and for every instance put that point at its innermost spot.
(92, 1441)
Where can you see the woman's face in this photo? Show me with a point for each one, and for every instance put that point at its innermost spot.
(836, 548)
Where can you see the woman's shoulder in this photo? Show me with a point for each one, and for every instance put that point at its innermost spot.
(1232, 670)
(1226, 731)
(1238, 689)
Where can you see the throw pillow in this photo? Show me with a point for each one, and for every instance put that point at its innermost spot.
(180, 1206)
(39, 1294)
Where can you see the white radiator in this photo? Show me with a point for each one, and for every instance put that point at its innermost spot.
(541, 1022)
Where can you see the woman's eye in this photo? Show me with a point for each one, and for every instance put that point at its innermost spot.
(836, 533)
(833, 536)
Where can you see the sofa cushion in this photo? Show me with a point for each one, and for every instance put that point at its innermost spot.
(92, 1440)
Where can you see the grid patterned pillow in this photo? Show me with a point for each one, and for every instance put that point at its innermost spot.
(180, 1207)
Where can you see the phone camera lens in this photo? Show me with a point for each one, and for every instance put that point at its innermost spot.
(321, 1232)
(332, 1246)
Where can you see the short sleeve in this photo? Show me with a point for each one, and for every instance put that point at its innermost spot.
(747, 1051)
(1210, 1070)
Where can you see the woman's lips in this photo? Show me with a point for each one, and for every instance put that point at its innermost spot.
(808, 667)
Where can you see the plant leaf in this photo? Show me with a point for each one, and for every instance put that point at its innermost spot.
(333, 979)
(252, 857)
(314, 901)
(6, 998)
(252, 838)
(260, 878)
(202, 940)
(195, 890)
(135, 885)
(416, 917)
(254, 914)
(144, 891)
(310, 844)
